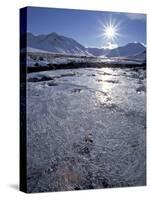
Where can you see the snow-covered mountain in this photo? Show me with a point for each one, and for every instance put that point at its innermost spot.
(140, 56)
(55, 43)
(128, 50)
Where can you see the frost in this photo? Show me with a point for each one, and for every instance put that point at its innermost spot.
(86, 129)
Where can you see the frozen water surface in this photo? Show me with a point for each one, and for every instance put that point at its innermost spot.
(86, 129)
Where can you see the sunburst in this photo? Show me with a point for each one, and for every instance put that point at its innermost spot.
(110, 29)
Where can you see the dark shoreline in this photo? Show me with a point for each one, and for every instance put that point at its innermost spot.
(83, 65)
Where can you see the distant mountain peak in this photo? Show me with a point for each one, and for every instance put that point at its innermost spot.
(56, 43)
(129, 49)
(53, 34)
(134, 44)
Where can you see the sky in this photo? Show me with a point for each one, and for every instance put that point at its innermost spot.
(89, 28)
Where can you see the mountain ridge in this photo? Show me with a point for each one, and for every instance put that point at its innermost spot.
(129, 49)
(55, 43)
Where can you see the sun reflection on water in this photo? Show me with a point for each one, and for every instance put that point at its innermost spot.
(105, 79)
(105, 85)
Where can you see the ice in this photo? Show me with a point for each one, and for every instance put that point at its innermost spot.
(86, 129)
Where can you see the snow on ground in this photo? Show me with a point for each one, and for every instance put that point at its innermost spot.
(122, 60)
(53, 59)
(65, 59)
(86, 129)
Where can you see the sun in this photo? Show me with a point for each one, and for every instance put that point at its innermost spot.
(110, 32)
(110, 29)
